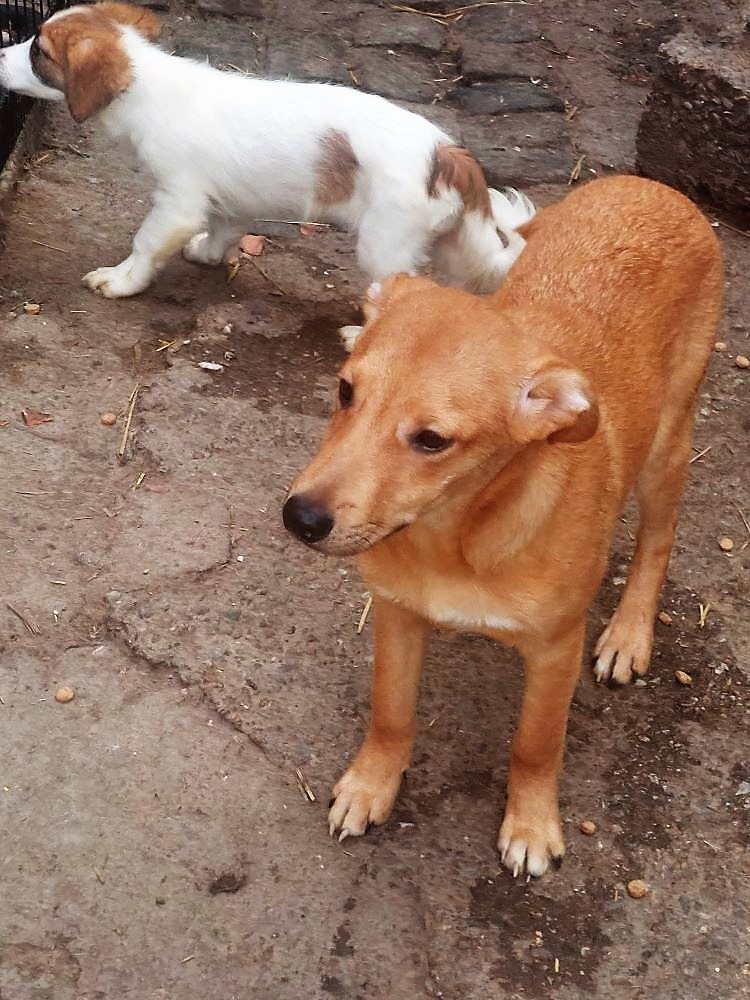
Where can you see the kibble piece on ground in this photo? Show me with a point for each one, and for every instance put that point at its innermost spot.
(682, 678)
(588, 827)
(108, 419)
(720, 345)
(741, 361)
(726, 544)
(64, 695)
(637, 888)
(32, 308)
(665, 618)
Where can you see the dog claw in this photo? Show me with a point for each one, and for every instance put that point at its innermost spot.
(331, 829)
(344, 834)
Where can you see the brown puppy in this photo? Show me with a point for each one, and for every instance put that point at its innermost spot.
(481, 453)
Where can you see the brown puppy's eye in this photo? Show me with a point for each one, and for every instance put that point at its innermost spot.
(430, 442)
(346, 393)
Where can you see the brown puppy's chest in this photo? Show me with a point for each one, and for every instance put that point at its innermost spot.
(460, 601)
(519, 597)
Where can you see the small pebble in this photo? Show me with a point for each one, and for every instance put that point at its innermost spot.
(741, 361)
(108, 419)
(588, 827)
(33, 309)
(64, 695)
(637, 888)
(726, 544)
(720, 345)
(682, 678)
(665, 618)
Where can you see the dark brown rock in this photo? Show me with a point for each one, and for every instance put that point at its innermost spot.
(321, 58)
(405, 76)
(231, 8)
(695, 131)
(507, 96)
(394, 30)
(223, 47)
(507, 23)
(491, 60)
(519, 149)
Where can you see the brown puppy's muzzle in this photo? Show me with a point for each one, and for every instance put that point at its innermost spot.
(307, 518)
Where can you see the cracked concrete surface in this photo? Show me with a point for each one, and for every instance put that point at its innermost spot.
(211, 656)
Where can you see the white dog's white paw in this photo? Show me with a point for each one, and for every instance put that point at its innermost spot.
(349, 336)
(116, 282)
(198, 250)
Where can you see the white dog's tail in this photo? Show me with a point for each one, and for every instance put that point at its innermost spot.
(510, 209)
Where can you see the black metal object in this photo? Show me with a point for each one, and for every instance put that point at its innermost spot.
(19, 19)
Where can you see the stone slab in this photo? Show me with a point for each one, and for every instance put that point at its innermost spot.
(695, 131)
(401, 76)
(487, 59)
(506, 96)
(521, 149)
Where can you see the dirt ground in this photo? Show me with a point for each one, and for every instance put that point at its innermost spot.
(155, 841)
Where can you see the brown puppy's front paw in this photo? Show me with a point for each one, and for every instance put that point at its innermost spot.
(365, 794)
(529, 844)
(623, 649)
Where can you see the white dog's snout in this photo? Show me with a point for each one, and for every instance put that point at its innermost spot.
(17, 73)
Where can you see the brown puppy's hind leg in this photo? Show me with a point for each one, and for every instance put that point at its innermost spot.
(624, 648)
(366, 792)
(531, 836)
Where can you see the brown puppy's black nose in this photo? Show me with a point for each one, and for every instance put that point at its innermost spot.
(307, 519)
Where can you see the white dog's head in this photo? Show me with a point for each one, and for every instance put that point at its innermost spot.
(77, 55)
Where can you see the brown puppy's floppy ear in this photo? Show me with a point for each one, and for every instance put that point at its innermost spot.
(556, 404)
(95, 69)
(134, 17)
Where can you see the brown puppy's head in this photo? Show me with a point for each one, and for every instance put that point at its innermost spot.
(440, 392)
(78, 54)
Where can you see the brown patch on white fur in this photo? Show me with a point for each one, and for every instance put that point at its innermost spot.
(144, 22)
(337, 168)
(82, 54)
(455, 167)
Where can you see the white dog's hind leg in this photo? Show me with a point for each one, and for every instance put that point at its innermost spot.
(164, 230)
(213, 246)
(391, 240)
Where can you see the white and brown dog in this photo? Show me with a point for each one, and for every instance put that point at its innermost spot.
(226, 150)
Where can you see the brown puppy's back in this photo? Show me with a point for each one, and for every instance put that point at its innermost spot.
(607, 243)
(628, 276)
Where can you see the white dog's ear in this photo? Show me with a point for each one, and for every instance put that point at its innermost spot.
(555, 403)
